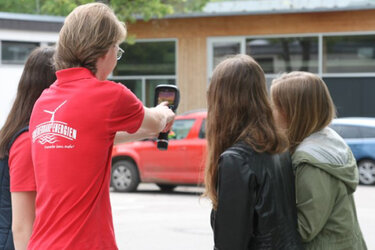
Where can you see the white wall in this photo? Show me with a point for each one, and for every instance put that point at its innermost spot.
(10, 74)
(28, 36)
(9, 77)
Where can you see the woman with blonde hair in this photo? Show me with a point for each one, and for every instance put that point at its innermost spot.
(249, 177)
(73, 126)
(326, 174)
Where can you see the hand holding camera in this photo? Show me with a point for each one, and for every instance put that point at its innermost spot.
(166, 95)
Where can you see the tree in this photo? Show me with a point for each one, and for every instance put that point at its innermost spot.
(126, 10)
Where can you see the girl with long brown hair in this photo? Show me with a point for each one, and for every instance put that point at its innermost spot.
(249, 178)
(38, 74)
(326, 174)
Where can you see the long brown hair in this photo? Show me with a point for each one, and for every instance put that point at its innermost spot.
(37, 75)
(304, 101)
(238, 110)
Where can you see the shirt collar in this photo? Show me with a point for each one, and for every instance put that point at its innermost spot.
(72, 74)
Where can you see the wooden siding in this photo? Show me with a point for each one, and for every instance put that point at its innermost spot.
(192, 77)
(192, 34)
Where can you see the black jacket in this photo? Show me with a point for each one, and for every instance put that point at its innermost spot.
(256, 201)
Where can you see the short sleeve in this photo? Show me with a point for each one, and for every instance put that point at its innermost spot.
(127, 114)
(21, 169)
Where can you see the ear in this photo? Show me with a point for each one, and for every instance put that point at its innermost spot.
(103, 57)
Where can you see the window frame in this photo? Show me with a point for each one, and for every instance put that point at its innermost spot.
(242, 40)
(43, 38)
(8, 62)
(144, 78)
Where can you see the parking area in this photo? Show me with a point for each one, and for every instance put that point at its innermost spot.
(150, 219)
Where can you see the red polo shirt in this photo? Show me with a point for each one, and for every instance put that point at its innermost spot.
(21, 168)
(72, 128)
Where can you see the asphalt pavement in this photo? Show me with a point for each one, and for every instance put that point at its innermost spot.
(151, 220)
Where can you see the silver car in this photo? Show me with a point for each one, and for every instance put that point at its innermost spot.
(359, 134)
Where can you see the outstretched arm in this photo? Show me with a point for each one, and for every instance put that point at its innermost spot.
(156, 120)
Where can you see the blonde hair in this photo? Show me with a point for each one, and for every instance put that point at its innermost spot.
(305, 102)
(87, 34)
(238, 110)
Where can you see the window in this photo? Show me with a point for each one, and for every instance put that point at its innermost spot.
(353, 96)
(147, 93)
(346, 62)
(353, 54)
(16, 52)
(145, 65)
(180, 129)
(147, 58)
(277, 55)
(367, 132)
(202, 131)
(318, 53)
(222, 50)
(150, 89)
(134, 85)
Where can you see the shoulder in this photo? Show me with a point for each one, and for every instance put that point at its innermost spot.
(118, 89)
(22, 141)
(110, 85)
(113, 85)
(309, 177)
(322, 147)
(235, 164)
(246, 152)
(236, 153)
(20, 149)
(239, 150)
(242, 156)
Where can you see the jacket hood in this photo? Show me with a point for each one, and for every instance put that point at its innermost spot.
(326, 150)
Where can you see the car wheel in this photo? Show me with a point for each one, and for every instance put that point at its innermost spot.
(166, 187)
(125, 177)
(366, 169)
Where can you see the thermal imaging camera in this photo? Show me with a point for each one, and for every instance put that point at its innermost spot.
(170, 94)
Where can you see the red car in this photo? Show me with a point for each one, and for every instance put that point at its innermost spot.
(181, 164)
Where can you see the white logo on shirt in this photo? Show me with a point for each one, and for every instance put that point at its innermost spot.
(48, 131)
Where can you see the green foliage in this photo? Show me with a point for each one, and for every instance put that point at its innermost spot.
(129, 10)
(61, 7)
(126, 10)
(20, 6)
(185, 6)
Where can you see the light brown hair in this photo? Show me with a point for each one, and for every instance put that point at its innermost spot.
(87, 34)
(238, 110)
(304, 100)
(38, 74)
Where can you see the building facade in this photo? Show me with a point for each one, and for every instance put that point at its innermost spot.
(337, 43)
(19, 35)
